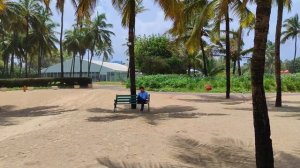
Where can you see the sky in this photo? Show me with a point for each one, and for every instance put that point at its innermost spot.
(153, 21)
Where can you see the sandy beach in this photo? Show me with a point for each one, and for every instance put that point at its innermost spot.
(78, 128)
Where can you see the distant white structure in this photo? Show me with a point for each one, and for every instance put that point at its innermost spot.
(109, 71)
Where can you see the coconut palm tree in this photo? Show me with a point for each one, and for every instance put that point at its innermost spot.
(30, 12)
(71, 44)
(292, 26)
(43, 35)
(281, 4)
(263, 142)
(99, 35)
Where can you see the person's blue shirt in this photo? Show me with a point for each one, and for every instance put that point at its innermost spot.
(144, 95)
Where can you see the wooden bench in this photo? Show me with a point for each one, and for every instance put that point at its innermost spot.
(128, 99)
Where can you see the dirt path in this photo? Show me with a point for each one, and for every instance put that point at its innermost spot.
(77, 128)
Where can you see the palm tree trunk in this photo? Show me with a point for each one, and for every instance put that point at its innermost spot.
(189, 67)
(101, 69)
(72, 64)
(12, 63)
(239, 50)
(227, 54)
(40, 61)
(131, 36)
(61, 44)
(263, 142)
(295, 55)
(90, 63)
(239, 67)
(278, 102)
(81, 59)
(234, 67)
(203, 58)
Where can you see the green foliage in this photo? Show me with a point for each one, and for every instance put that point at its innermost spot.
(184, 83)
(44, 82)
(288, 64)
(154, 56)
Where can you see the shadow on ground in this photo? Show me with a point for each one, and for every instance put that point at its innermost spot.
(116, 164)
(221, 152)
(273, 109)
(7, 112)
(219, 99)
(152, 117)
(224, 152)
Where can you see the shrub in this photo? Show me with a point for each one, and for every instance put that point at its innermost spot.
(290, 83)
(45, 82)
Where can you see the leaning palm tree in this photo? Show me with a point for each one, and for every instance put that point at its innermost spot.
(292, 26)
(60, 5)
(263, 142)
(281, 4)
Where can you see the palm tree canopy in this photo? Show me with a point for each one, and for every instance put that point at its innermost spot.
(292, 26)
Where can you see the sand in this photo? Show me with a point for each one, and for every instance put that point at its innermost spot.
(78, 128)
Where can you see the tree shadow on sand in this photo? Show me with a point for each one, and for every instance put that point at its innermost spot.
(272, 109)
(152, 117)
(220, 153)
(216, 98)
(224, 152)
(115, 164)
(7, 112)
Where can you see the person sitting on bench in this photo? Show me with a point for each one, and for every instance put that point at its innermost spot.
(142, 98)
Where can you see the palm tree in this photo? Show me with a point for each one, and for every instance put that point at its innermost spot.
(263, 142)
(292, 26)
(60, 5)
(71, 44)
(270, 57)
(99, 35)
(29, 11)
(281, 4)
(43, 35)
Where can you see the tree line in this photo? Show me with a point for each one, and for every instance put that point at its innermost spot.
(29, 39)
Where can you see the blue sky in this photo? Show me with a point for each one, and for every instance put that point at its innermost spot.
(152, 21)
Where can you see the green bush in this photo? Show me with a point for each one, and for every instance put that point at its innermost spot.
(184, 83)
(45, 82)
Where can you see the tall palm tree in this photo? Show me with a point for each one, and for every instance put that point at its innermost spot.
(281, 4)
(43, 35)
(60, 5)
(99, 34)
(29, 11)
(128, 10)
(72, 44)
(263, 142)
(292, 26)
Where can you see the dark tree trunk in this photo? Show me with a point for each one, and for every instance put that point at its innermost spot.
(239, 68)
(12, 64)
(72, 64)
(189, 67)
(263, 142)
(26, 52)
(131, 36)
(81, 59)
(40, 61)
(228, 57)
(295, 55)
(239, 50)
(278, 102)
(234, 67)
(61, 44)
(26, 65)
(204, 58)
(90, 63)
